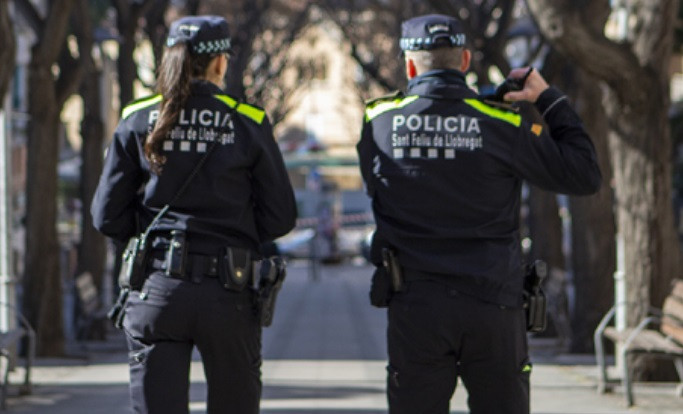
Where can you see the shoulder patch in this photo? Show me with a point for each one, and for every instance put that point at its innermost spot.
(139, 104)
(497, 112)
(252, 112)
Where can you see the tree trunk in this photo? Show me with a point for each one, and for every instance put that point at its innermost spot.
(92, 250)
(126, 64)
(593, 228)
(642, 175)
(155, 26)
(246, 26)
(42, 298)
(7, 51)
(128, 15)
(636, 102)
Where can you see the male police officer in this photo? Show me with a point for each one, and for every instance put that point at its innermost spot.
(444, 169)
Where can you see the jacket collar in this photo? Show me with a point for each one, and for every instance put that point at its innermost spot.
(204, 87)
(441, 83)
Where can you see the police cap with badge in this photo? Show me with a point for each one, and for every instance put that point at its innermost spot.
(430, 32)
(202, 34)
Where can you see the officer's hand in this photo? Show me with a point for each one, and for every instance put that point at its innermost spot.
(534, 86)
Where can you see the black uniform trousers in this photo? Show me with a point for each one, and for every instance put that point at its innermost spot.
(436, 334)
(166, 319)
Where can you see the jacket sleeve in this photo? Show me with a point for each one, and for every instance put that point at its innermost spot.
(274, 203)
(366, 156)
(114, 204)
(561, 160)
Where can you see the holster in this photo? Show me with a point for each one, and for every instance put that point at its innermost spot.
(117, 311)
(381, 290)
(393, 269)
(534, 298)
(271, 276)
(235, 269)
(386, 280)
(133, 263)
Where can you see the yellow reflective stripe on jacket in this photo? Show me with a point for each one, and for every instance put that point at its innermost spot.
(380, 107)
(251, 112)
(136, 106)
(509, 117)
(226, 100)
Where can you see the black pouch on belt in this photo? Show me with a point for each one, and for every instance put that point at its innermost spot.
(235, 269)
(393, 269)
(133, 263)
(176, 255)
(534, 298)
(381, 289)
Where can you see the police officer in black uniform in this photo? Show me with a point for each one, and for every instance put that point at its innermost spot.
(444, 169)
(239, 198)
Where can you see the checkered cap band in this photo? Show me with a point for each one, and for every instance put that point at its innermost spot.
(421, 43)
(202, 34)
(212, 46)
(431, 31)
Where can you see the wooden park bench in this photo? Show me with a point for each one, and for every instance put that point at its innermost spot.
(9, 339)
(664, 342)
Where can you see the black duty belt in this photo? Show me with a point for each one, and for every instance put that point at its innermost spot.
(196, 264)
(411, 275)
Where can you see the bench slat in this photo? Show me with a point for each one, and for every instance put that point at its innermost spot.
(646, 341)
(677, 290)
(673, 308)
(672, 321)
(673, 328)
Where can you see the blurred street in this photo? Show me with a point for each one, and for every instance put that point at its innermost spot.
(325, 353)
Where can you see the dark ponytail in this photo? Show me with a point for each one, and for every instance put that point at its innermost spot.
(178, 67)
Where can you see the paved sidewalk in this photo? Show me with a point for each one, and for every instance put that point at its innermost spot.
(324, 354)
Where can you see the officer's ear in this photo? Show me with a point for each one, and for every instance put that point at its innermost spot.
(411, 70)
(220, 64)
(215, 71)
(465, 59)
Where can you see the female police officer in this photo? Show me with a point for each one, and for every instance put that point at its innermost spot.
(202, 246)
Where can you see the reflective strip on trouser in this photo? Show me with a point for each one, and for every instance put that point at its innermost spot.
(436, 334)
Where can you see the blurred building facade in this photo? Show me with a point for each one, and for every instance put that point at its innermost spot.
(318, 135)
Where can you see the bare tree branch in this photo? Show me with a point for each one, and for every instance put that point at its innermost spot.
(567, 28)
(69, 76)
(373, 71)
(128, 16)
(56, 25)
(373, 43)
(72, 68)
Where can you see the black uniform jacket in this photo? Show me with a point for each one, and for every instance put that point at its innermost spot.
(240, 197)
(444, 169)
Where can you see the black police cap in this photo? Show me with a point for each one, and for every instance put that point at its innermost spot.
(430, 32)
(203, 34)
